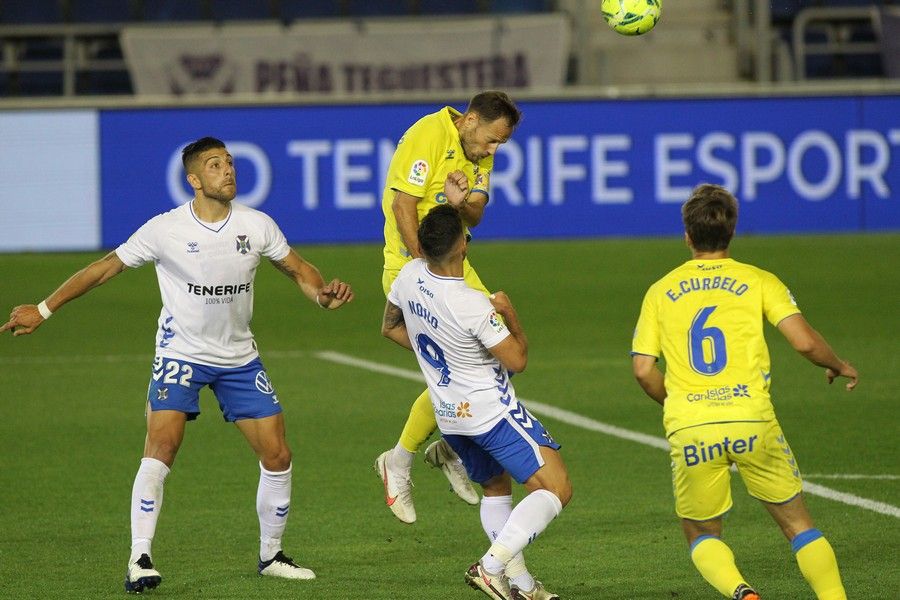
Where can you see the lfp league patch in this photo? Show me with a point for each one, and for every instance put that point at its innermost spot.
(496, 324)
(418, 172)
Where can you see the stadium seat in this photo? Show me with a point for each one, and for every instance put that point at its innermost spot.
(377, 8)
(104, 83)
(25, 83)
(242, 10)
(442, 7)
(519, 6)
(784, 11)
(102, 11)
(176, 10)
(30, 11)
(310, 9)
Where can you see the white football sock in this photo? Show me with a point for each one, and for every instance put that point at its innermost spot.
(518, 573)
(401, 458)
(495, 511)
(146, 502)
(528, 519)
(273, 501)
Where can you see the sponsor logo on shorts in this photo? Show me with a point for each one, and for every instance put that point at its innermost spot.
(418, 172)
(703, 452)
(263, 384)
(162, 394)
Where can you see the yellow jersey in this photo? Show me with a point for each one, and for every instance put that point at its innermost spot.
(425, 155)
(706, 318)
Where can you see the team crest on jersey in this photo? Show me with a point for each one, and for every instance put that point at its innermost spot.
(193, 247)
(495, 322)
(243, 244)
(418, 172)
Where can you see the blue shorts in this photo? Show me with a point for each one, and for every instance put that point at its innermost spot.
(243, 392)
(513, 445)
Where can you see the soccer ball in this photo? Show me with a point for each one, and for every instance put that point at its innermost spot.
(631, 17)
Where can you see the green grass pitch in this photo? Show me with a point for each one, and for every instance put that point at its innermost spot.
(72, 429)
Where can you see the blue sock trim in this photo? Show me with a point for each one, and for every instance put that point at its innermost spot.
(804, 538)
(700, 539)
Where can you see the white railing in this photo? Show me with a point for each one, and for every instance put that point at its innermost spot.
(838, 25)
(79, 47)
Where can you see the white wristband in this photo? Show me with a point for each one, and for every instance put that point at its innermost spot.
(44, 310)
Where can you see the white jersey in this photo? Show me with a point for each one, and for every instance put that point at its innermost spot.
(451, 326)
(205, 273)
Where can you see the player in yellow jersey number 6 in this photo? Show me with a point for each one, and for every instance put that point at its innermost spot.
(706, 317)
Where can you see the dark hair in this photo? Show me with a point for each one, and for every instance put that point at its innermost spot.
(493, 105)
(439, 232)
(710, 216)
(193, 150)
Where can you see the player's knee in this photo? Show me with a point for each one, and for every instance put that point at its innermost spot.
(563, 491)
(162, 451)
(277, 460)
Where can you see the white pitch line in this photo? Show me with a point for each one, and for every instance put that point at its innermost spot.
(577, 420)
(854, 476)
(61, 359)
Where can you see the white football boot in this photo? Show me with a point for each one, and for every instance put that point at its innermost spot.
(440, 454)
(538, 593)
(283, 566)
(493, 586)
(141, 575)
(397, 489)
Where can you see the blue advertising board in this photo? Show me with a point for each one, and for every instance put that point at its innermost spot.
(572, 169)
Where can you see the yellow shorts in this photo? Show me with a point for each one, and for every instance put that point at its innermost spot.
(471, 277)
(701, 458)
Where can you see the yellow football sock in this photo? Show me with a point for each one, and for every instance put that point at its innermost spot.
(715, 561)
(420, 424)
(818, 565)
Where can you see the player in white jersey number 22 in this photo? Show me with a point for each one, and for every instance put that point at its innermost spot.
(206, 253)
(466, 354)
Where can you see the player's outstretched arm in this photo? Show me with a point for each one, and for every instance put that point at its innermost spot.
(512, 352)
(331, 295)
(649, 377)
(393, 325)
(26, 318)
(810, 343)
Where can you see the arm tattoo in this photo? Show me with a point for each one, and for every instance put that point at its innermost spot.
(393, 318)
(282, 266)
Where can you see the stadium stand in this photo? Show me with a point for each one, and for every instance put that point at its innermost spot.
(71, 47)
